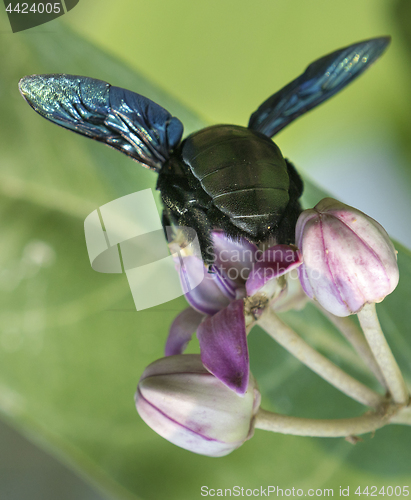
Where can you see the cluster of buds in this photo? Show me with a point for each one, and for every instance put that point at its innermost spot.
(209, 404)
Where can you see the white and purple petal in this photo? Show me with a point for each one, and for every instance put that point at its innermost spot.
(274, 262)
(206, 297)
(181, 331)
(234, 258)
(223, 344)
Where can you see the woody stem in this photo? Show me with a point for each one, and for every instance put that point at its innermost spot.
(330, 372)
(379, 346)
(356, 338)
(342, 427)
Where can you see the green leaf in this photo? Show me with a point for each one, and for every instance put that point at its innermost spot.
(72, 346)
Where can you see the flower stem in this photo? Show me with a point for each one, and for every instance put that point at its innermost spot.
(382, 352)
(342, 427)
(356, 338)
(289, 339)
(403, 417)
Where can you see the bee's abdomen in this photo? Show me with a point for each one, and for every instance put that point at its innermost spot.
(243, 172)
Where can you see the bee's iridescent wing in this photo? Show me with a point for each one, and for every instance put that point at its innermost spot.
(124, 120)
(320, 81)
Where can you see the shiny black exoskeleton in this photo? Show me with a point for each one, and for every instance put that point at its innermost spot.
(222, 177)
(231, 178)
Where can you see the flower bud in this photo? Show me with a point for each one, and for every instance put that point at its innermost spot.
(184, 403)
(348, 258)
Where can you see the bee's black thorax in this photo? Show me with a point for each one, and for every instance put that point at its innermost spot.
(231, 178)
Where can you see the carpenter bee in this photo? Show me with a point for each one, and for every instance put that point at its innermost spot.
(223, 177)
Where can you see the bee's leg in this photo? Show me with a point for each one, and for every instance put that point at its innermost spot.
(296, 183)
(196, 218)
(285, 231)
(166, 222)
(182, 208)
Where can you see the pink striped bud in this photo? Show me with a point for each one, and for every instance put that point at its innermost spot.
(348, 258)
(184, 403)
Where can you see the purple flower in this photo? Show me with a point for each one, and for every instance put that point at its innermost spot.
(184, 403)
(217, 313)
(349, 260)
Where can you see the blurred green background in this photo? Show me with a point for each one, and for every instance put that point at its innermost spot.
(72, 346)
